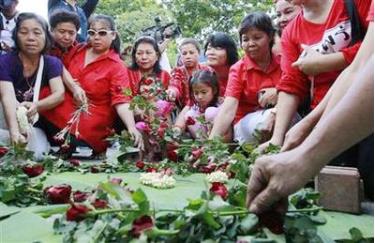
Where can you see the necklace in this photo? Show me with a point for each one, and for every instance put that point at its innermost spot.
(28, 94)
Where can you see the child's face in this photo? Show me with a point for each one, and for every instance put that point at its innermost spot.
(189, 55)
(203, 94)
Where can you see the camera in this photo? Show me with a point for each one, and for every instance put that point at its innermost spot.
(160, 32)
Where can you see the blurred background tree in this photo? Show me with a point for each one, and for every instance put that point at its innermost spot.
(196, 18)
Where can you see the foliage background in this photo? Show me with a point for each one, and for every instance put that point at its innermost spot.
(197, 18)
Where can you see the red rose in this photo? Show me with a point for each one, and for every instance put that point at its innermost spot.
(148, 81)
(140, 164)
(172, 155)
(151, 170)
(58, 194)
(197, 153)
(94, 169)
(208, 168)
(141, 224)
(143, 127)
(172, 146)
(116, 181)
(223, 166)
(219, 189)
(161, 132)
(74, 162)
(100, 203)
(33, 170)
(190, 121)
(76, 212)
(79, 196)
(273, 221)
(3, 151)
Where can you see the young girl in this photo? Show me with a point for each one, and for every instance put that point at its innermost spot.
(204, 93)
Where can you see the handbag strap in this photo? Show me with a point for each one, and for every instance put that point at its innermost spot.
(38, 80)
(358, 33)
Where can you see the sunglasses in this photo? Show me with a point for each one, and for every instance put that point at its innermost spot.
(91, 32)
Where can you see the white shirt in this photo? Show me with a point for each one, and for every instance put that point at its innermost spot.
(6, 33)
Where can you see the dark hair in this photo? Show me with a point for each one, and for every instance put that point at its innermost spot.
(26, 16)
(116, 43)
(220, 39)
(208, 78)
(152, 42)
(260, 21)
(63, 16)
(190, 41)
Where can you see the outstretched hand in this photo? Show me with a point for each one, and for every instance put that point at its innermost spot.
(273, 179)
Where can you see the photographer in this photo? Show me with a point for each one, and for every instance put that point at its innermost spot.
(163, 46)
(8, 17)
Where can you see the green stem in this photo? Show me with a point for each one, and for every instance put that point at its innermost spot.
(305, 210)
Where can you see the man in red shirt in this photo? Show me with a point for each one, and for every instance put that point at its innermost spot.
(64, 27)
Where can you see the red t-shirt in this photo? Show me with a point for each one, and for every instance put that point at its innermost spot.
(332, 36)
(246, 79)
(103, 80)
(135, 77)
(370, 17)
(180, 81)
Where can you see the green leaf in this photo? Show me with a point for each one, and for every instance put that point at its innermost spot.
(210, 220)
(140, 198)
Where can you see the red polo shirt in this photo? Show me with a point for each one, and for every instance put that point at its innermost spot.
(103, 80)
(370, 17)
(246, 79)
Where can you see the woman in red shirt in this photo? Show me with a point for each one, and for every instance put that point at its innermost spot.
(101, 73)
(145, 63)
(316, 47)
(252, 80)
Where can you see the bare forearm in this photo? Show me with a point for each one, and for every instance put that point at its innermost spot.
(286, 108)
(224, 118)
(322, 144)
(126, 115)
(331, 62)
(180, 121)
(9, 104)
(68, 80)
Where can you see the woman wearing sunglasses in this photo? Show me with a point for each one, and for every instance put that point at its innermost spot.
(101, 73)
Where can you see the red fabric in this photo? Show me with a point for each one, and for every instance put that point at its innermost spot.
(103, 81)
(135, 77)
(245, 81)
(370, 17)
(332, 36)
(180, 81)
(66, 55)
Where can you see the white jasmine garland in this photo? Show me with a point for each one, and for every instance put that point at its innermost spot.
(157, 180)
(217, 176)
(23, 122)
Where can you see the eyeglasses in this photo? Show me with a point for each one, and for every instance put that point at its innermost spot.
(91, 32)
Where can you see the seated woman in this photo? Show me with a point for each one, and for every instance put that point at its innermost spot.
(149, 80)
(102, 75)
(179, 86)
(145, 63)
(252, 80)
(23, 73)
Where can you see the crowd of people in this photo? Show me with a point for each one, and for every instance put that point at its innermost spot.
(316, 54)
